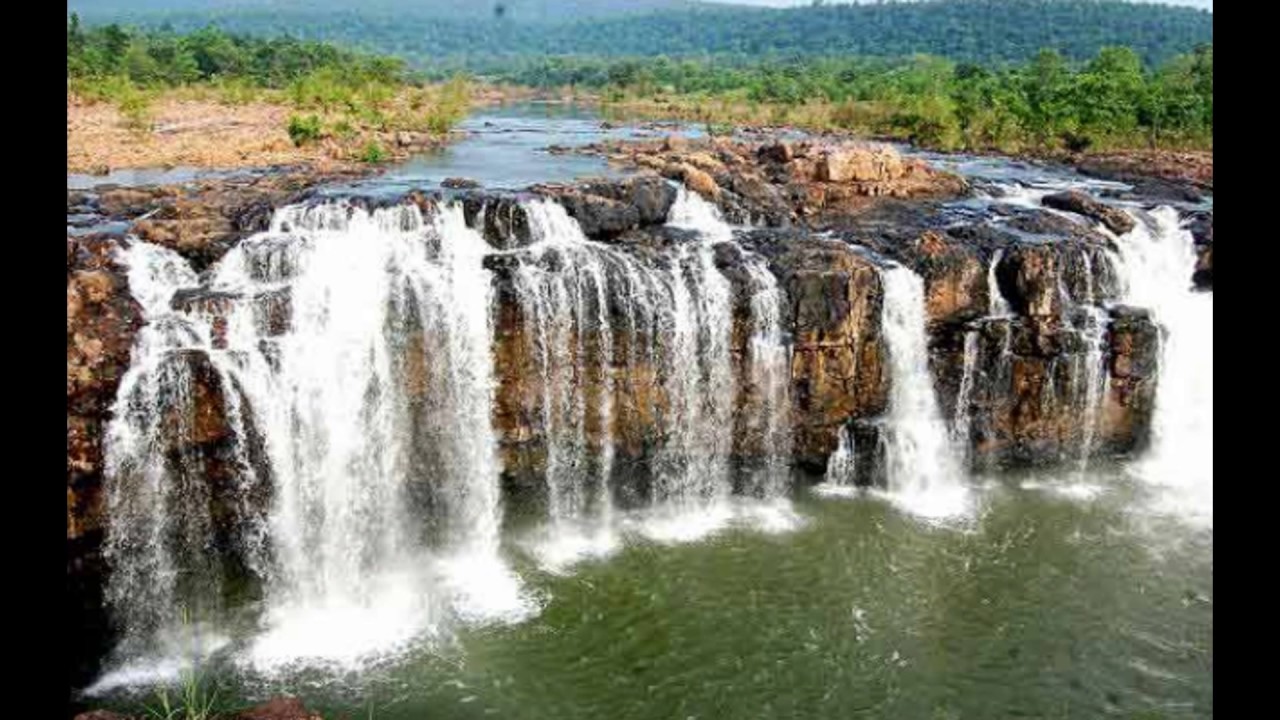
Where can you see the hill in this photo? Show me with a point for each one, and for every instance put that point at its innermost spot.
(471, 33)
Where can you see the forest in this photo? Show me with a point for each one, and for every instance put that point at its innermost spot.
(1115, 98)
(469, 34)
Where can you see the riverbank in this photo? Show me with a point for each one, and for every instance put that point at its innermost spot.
(208, 128)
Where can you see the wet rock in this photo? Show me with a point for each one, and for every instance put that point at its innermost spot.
(838, 360)
(699, 181)
(502, 220)
(102, 320)
(279, 708)
(459, 183)
(103, 715)
(1134, 350)
(675, 143)
(779, 152)
(606, 209)
(1201, 226)
(1076, 201)
(130, 202)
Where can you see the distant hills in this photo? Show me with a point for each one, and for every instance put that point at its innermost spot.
(478, 32)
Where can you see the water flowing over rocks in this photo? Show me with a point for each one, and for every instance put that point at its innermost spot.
(599, 343)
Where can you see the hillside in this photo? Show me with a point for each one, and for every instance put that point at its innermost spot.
(459, 32)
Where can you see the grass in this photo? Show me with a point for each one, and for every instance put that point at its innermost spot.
(304, 130)
(194, 699)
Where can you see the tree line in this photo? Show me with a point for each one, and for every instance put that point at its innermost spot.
(1112, 99)
(980, 31)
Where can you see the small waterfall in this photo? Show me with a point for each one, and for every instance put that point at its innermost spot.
(1096, 379)
(962, 420)
(922, 469)
(1157, 261)
(162, 527)
(840, 466)
(691, 471)
(997, 306)
(770, 375)
(562, 285)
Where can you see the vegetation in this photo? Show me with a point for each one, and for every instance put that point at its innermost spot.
(195, 700)
(456, 34)
(1049, 102)
(338, 93)
(304, 130)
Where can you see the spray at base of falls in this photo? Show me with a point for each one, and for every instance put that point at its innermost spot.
(1157, 260)
(923, 474)
(357, 423)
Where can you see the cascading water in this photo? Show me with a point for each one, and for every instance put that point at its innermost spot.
(1157, 261)
(384, 516)
(162, 530)
(770, 375)
(693, 469)
(997, 306)
(767, 370)
(922, 470)
(962, 420)
(562, 285)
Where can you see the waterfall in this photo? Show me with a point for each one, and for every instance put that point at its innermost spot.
(840, 465)
(922, 470)
(962, 420)
(562, 285)
(769, 372)
(385, 518)
(1157, 259)
(161, 518)
(997, 306)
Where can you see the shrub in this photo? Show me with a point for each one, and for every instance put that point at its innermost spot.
(373, 153)
(304, 130)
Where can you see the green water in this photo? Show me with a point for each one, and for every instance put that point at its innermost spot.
(1039, 606)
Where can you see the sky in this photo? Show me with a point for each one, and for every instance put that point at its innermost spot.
(1205, 4)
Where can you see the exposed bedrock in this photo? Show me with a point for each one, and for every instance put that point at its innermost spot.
(1021, 347)
(102, 321)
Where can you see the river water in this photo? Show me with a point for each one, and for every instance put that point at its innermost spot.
(1050, 595)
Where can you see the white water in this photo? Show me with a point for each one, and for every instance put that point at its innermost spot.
(962, 419)
(705, 483)
(997, 306)
(562, 285)
(161, 528)
(840, 466)
(769, 374)
(693, 468)
(1156, 264)
(359, 424)
(923, 474)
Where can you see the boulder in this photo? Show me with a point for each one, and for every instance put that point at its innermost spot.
(1076, 201)
(859, 163)
(459, 183)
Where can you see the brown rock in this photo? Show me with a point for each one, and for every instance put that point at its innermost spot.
(699, 182)
(1115, 219)
(860, 163)
(279, 708)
